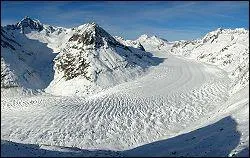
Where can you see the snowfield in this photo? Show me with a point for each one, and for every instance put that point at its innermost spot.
(160, 105)
(177, 106)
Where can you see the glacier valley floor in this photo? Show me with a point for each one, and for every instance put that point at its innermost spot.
(179, 108)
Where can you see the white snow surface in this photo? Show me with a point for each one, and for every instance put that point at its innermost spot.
(190, 99)
(78, 61)
(131, 43)
(154, 43)
(228, 49)
(161, 105)
(107, 62)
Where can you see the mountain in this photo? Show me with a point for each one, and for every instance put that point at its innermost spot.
(130, 43)
(89, 56)
(226, 48)
(94, 59)
(154, 43)
(26, 25)
(81, 59)
(16, 67)
(181, 97)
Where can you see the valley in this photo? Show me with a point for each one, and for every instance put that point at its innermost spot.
(163, 95)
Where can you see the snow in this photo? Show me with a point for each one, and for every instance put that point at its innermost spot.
(13, 149)
(130, 43)
(92, 60)
(168, 103)
(157, 109)
(154, 44)
(225, 48)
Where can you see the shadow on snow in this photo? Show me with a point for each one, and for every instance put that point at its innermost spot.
(35, 55)
(217, 139)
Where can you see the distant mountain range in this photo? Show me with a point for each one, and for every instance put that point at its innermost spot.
(86, 59)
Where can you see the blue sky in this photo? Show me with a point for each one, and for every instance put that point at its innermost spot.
(170, 20)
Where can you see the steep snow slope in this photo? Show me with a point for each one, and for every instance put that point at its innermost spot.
(225, 48)
(16, 69)
(27, 62)
(54, 37)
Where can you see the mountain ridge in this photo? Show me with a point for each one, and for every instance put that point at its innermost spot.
(91, 46)
(87, 54)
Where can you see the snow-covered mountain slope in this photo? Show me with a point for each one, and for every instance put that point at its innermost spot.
(228, 49)
(26, 25)
(106, 58)
(93, 60)
(89, 59)
(154, 43)
(225, 48)
(16, 67)
(130, 43)
(54, 37)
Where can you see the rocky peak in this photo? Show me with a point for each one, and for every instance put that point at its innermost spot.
(93, 34)
(26, 24)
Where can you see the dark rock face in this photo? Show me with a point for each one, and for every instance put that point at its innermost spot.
(51, 29)
(141, 47)
(75, 37)
(5, 41)
(5, 44)
(72, 66)
(94, 35)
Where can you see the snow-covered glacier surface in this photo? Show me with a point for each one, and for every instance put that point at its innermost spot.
(158, 104)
